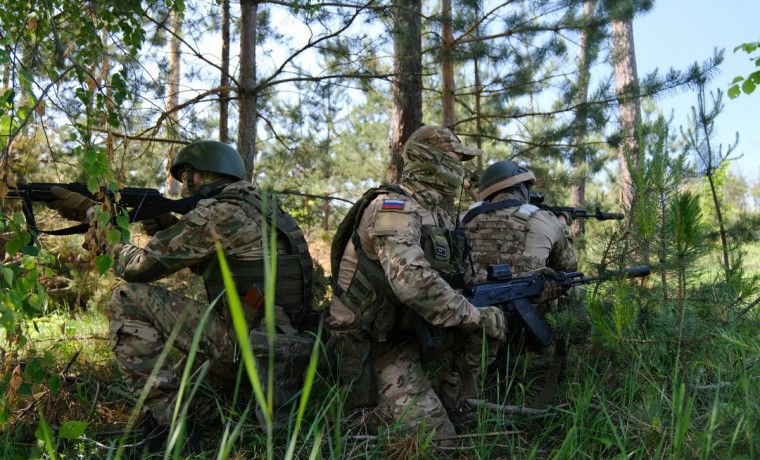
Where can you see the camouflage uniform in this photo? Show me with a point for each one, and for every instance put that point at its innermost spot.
(143, 316)
(377, 330)
(524, 237)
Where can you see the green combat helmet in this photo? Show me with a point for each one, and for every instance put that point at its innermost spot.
(503, 175)
(209, 156)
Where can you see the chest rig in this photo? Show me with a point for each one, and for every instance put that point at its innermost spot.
(293, 282)
(369, 294)
(497, 234)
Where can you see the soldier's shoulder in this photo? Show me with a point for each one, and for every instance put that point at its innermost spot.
(393, 202)
(548, 219)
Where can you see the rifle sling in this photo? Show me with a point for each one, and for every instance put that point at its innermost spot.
(181, 206)
(488, 207)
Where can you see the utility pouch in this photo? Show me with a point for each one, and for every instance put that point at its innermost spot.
(291, 358)
(436, 247)
(353, 354)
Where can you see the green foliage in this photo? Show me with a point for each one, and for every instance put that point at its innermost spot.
(746, 84)
(670, 371)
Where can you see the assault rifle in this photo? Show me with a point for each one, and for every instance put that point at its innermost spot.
(537, 199)
(513, 294)
(141, 203)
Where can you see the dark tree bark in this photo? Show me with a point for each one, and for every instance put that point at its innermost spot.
(406, 87)
(224, 81)
(579, 157)
(247, 95)
(447, 66)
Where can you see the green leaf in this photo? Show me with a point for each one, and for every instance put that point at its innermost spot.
(72, 429)
(113, 235)
(734, 92)
(103, 262)
(122, 221)
(737, 79)
(92, 185)
(748, 87)
(34, 301)
(7, 275)
(25, 389)
(12, 246)
(54, 383)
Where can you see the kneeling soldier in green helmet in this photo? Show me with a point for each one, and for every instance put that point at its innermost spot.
(143, 316)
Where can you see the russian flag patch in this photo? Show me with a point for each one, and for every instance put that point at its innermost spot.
(393, 204)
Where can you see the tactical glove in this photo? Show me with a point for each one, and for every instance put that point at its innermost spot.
(551, 290)
(164, 221)
(70, 205)
(495, 323)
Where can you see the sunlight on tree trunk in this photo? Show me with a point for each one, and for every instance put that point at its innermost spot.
(172, 185)
(626, 78)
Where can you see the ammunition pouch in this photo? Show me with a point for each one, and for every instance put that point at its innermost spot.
(352, 349)
(291, 354)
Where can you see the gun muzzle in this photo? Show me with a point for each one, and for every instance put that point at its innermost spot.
(636, 272)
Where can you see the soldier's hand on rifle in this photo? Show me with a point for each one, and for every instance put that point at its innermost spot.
(551, 290)
(164, 221)
(71, 205)
(494, 322)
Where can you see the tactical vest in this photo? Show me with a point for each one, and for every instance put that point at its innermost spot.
(369, 294)
(498, 235)
(293, 282)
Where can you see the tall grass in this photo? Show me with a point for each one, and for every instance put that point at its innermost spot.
(671, 370)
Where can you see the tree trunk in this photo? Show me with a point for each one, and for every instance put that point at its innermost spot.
(172, 100)
(579, 156)
(224, 81)
(325, 215)
(626, 78)
(406, 87)
(246, 91)
(447, 66)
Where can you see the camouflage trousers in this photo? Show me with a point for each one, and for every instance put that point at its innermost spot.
(406, 395)
(141, 319)
(467, 363)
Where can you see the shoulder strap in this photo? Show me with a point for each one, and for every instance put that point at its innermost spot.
(286, 224)
(347, 229)
(488, 207)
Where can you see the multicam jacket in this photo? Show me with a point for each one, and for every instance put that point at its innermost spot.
(391, 233)
(191, 243)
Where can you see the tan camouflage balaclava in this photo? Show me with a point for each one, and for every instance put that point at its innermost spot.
(434, 176)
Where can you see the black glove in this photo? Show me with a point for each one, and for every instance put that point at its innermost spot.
(162, 222)
(70, 205)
